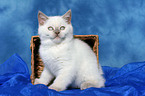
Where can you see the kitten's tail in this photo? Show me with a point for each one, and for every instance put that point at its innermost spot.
(100, 69)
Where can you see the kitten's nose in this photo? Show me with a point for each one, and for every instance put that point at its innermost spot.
(57, 32)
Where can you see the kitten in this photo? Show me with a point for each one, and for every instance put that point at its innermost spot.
(71, 61)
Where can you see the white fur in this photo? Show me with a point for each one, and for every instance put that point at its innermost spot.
(70, 60)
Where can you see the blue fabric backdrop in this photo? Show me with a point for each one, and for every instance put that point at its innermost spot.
(125, 81)
(120, 25)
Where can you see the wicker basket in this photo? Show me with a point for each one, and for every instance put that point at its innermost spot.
(36, 61)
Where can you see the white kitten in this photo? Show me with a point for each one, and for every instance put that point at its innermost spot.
(71, 61)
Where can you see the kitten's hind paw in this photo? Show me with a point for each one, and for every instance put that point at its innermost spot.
(86, 85)
(89, 84)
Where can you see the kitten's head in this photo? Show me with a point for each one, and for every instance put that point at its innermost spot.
(55, 29)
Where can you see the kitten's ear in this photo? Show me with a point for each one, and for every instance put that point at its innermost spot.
(41, 18)
(67, 16)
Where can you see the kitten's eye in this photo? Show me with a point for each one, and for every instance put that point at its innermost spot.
(62, 28)
(50, 28)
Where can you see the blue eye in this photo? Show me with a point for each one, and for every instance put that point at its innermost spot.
(62, 28)
(50, 28)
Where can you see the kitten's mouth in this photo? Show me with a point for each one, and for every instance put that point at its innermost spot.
(57, 37)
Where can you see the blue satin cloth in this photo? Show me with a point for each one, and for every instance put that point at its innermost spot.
(126, 81)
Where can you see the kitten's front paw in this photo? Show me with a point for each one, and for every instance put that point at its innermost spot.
(37, 81)
(41, 81)
(56, 88)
